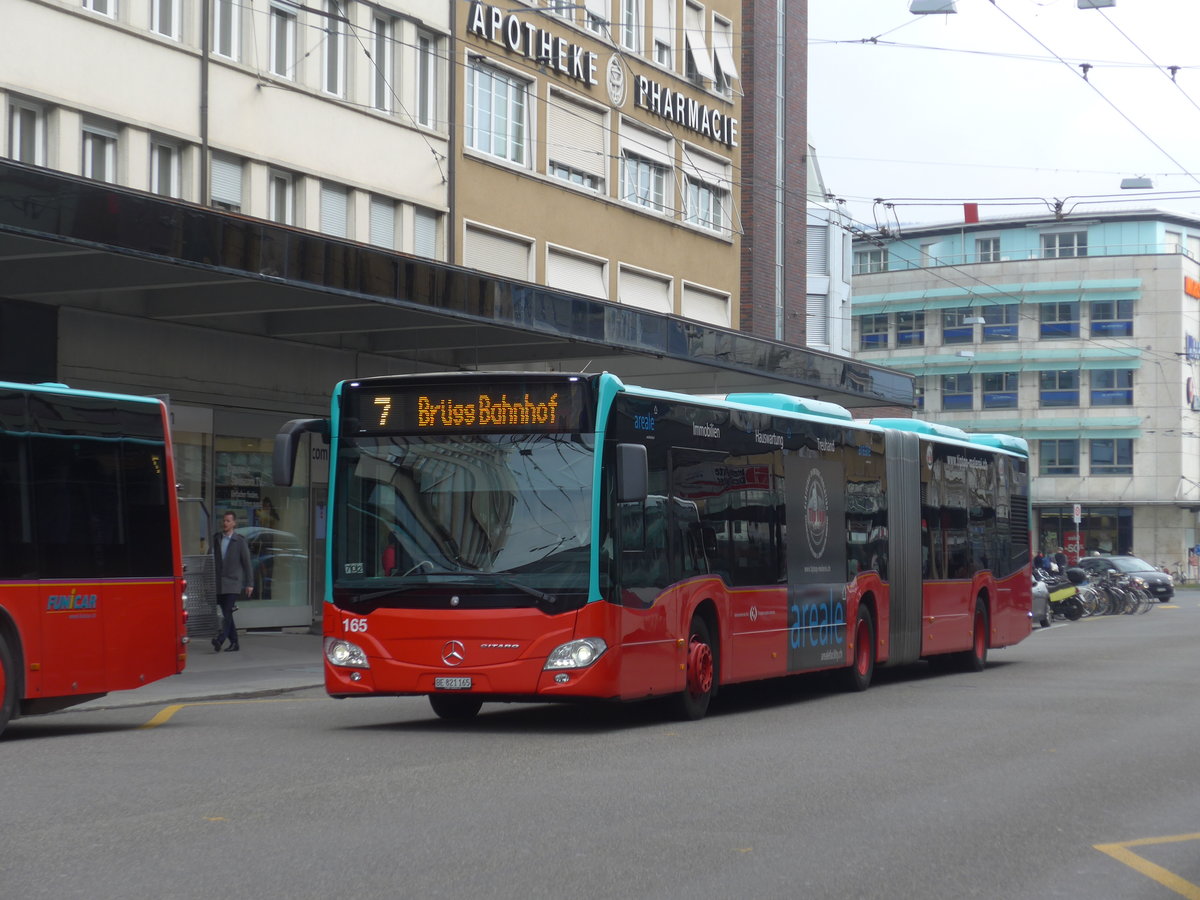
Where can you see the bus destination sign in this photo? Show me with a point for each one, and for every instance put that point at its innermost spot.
(514, 407)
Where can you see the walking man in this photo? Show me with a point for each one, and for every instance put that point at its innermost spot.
(235, 578)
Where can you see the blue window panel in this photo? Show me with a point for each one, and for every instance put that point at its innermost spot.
(1060, 398)
(1116, 397)
(1060, 329)
(957, 401)
(1000, 400)
(961, 335)
(1112, 329)
(999, 332)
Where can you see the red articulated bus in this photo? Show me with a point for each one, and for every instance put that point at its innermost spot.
(91, 586)
(549, 537)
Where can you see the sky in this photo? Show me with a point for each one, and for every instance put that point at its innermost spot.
(990, 105)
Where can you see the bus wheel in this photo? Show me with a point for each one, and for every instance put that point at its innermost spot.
(8, 684)
(701, 668)
(862, 669)
(455, 707)
(975, 659)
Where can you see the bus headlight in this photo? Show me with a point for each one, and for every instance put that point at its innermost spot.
(344, 653)
(576, 654)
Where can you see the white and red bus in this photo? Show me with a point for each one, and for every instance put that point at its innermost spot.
(548, 537)
(91, 587)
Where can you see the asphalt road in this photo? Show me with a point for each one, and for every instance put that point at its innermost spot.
(1070, 768)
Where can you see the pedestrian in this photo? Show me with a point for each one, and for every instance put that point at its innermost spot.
(235, 578)
(1060, 560)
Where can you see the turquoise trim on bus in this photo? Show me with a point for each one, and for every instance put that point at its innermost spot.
(607, 388)
(1002, 442)
(64, 390)
(791, 404)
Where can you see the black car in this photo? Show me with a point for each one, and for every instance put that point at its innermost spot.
(1158, 583)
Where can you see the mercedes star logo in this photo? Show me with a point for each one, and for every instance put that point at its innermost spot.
(454, 653)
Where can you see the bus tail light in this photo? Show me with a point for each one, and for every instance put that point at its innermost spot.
(343, 653)
(576, 654)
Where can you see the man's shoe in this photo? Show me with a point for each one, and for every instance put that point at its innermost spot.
(231, 648)
(217, 642)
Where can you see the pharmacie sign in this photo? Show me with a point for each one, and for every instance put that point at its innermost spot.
(688, 112)
(518, 35)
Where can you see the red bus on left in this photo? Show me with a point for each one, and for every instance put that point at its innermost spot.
(91, 576)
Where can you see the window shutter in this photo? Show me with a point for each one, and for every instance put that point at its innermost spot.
(334, 210)
(425, 233)
(227, 181)
(706, 306)
(816, 322)
(576, 136)
(383, 222)
(571, 272)
(818, 249)
(645, 291)
(498, 253)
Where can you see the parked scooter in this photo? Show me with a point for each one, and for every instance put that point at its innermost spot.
(1064, 592)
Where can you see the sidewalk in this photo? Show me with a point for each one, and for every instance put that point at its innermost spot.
(268, 662)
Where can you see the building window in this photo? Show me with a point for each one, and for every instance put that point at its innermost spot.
(704, 204)
(955, 329)
(1058, 457)
(910, 329)
(1059, 388)
(1060, 320)
(283, 42)
(566, 173)
(1000, 390)
(383, 222)
(164, 169)
(664, 33)
(335, 210)
(27, 133)
(1061, 244)
(164, 18)
(281, 204)
(99, 154)
(335, 49)
(103, 7)
(382, 63)
(1001, 323)
(427, 79)
(226, 33)
(919, 391)
(629, 30)
(1112, 318)
(958, 391)
(987, 249)
(873, 332)
(496, 110)
(595, 16)
(643, 182)
(868, 261)
(225, 188)
(563, 8)
(426, 233)
(698, 61)
(1112, 387)
(576, 142)
(1111, 456)
(723, 64)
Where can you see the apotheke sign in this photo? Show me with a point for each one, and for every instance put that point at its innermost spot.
(517, 35)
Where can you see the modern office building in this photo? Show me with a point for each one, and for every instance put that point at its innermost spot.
(236, 203)
(1079, 333)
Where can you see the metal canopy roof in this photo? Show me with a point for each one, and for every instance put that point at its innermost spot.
(73, 242)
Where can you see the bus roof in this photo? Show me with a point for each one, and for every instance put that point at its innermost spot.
(54, 387)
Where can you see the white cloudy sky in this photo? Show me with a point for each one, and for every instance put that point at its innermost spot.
(990, 104)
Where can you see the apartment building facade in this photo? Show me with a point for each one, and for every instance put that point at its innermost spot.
(1081, 334)
(236, 203)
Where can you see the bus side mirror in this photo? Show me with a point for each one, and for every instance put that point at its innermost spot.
(633, 473)
(283, 460)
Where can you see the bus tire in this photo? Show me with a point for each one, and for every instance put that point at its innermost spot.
(455, 707)
(975, 659)
(8, 685)
(700, 671)
(858, 676)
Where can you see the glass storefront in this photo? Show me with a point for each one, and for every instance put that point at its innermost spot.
(223, 464)
(1100, 530)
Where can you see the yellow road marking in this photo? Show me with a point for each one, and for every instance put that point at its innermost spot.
(1121, 853)
(164, 715)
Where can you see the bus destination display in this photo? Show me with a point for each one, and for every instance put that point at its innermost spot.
(515, 407)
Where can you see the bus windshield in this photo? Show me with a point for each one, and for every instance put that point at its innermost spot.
(509, 512)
